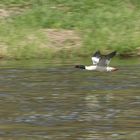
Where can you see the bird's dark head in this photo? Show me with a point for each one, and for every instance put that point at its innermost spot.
(80, 66)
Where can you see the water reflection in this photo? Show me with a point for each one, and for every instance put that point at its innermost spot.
(59, 102)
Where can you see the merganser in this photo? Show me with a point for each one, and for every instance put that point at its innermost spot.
(100, 62)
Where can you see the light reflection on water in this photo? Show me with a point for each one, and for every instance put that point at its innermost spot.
(60, 102)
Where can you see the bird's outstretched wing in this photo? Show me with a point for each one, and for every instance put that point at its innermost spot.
(96, 57)
(105, 59)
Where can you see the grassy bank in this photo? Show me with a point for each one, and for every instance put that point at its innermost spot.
(95, 24)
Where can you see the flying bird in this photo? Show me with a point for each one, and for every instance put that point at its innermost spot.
(100, 62)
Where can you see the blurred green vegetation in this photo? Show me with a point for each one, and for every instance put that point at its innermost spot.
(102, 24)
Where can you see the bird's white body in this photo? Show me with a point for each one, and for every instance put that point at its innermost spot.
(97, 68)
(90, 67)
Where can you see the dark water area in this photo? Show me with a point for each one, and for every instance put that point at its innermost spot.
(52, 100)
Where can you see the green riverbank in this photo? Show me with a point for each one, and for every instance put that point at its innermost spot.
(68, 28)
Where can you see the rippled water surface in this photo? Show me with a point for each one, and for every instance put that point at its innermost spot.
(55, 101)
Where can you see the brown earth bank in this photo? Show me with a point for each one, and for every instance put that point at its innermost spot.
(59, 41)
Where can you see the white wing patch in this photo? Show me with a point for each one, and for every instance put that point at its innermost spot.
(95, 60)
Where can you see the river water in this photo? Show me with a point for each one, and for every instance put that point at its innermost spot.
(54, 101)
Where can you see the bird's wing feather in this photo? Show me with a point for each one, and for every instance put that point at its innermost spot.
(96, 57)
(112, 54)
(105, 59)
(103, 62)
